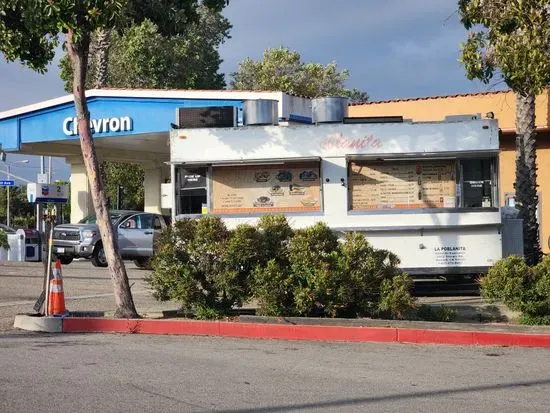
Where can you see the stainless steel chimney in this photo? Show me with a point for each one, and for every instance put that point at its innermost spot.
(260, 112)
(329, 109)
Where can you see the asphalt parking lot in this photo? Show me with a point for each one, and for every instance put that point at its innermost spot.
(86, 288)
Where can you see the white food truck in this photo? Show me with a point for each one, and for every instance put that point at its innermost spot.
(426, 191)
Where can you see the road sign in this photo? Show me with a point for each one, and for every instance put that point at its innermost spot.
(7, 182)
(42, 178)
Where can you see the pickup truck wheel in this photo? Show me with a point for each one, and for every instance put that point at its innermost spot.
(143, 263)
(98, 257)
(66, 260)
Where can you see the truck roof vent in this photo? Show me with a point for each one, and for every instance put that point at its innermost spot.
(330, 109)
(462, 118)
(260, 112)
(206, 117)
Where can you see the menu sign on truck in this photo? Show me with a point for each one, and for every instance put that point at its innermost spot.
(270, 188)
(394, 185)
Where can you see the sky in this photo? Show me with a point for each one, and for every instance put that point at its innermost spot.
(392, 49)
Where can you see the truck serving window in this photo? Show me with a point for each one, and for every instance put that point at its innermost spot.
(192, 190)
(421, 184)
(477, 183)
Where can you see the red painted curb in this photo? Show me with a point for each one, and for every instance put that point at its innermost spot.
(303, 332)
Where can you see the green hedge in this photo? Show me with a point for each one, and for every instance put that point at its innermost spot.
(4, 240)
(522, 288)
(305, 272)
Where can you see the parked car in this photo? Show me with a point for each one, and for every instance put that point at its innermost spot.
(137, 232)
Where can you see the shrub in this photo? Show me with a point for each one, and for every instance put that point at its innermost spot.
(241, 255)
(210, 269)
(520, 287)
(173, 278)
(202, 265)
(363, 270)
(275, 233)
(4, 240)
(507, 281)
(273, 287)
(332, 278)
(312, 256)
(395, 296)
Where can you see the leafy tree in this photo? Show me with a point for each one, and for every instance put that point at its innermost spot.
(130, 177)
(512, 39)
(171, 16)
(144, 56)
(29, 31)
(149, 55)
(21, 211)
(283, 69)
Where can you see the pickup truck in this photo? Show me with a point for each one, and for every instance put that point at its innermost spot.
(136, 232)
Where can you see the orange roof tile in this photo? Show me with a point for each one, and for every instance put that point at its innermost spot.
(431, 97)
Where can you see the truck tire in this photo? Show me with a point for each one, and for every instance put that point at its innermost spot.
(98, 256)
(66, 260)
(143, 263)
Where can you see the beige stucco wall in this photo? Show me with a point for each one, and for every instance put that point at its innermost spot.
(502, 104)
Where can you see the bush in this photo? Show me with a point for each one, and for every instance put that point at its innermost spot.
(273, 287)
(331, 278)
(520, 287)
(363, 270)
(313, 270)
(201, 264)
(395, 296)
(307, 272)
(4, 240)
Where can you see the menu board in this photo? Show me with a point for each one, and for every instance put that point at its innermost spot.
(422, 184)
(270, 188)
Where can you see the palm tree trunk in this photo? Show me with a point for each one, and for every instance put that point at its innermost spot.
(78, 53)
(526, 176)
(103, 44)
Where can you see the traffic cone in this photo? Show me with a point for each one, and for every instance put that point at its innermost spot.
(56, 297)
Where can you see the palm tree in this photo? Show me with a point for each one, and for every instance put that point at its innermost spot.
(526, 175)
(101, 49)
(514, 41)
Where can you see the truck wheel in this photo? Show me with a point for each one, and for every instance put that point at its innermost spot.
(143, 263)
(98, 257)
(66, 260)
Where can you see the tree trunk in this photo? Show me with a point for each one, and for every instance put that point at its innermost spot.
(78, 54)
(526, 176)
(103, 44)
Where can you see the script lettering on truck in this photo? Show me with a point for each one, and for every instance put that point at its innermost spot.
(339, 141)
(104, 125)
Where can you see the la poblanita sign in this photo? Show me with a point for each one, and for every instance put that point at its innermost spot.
(47, 193)
(103, 125)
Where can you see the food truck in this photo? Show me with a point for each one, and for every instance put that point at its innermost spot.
(427, 191)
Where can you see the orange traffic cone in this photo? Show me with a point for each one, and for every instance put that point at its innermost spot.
(56, 297)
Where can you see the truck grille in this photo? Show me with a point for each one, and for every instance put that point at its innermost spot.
(66, 235)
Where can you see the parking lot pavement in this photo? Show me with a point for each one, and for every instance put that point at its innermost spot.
(90, 373)
(86, 288)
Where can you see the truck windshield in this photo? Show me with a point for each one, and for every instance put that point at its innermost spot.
(92, 219)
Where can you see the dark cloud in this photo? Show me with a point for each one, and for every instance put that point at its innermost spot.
(392, 48)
